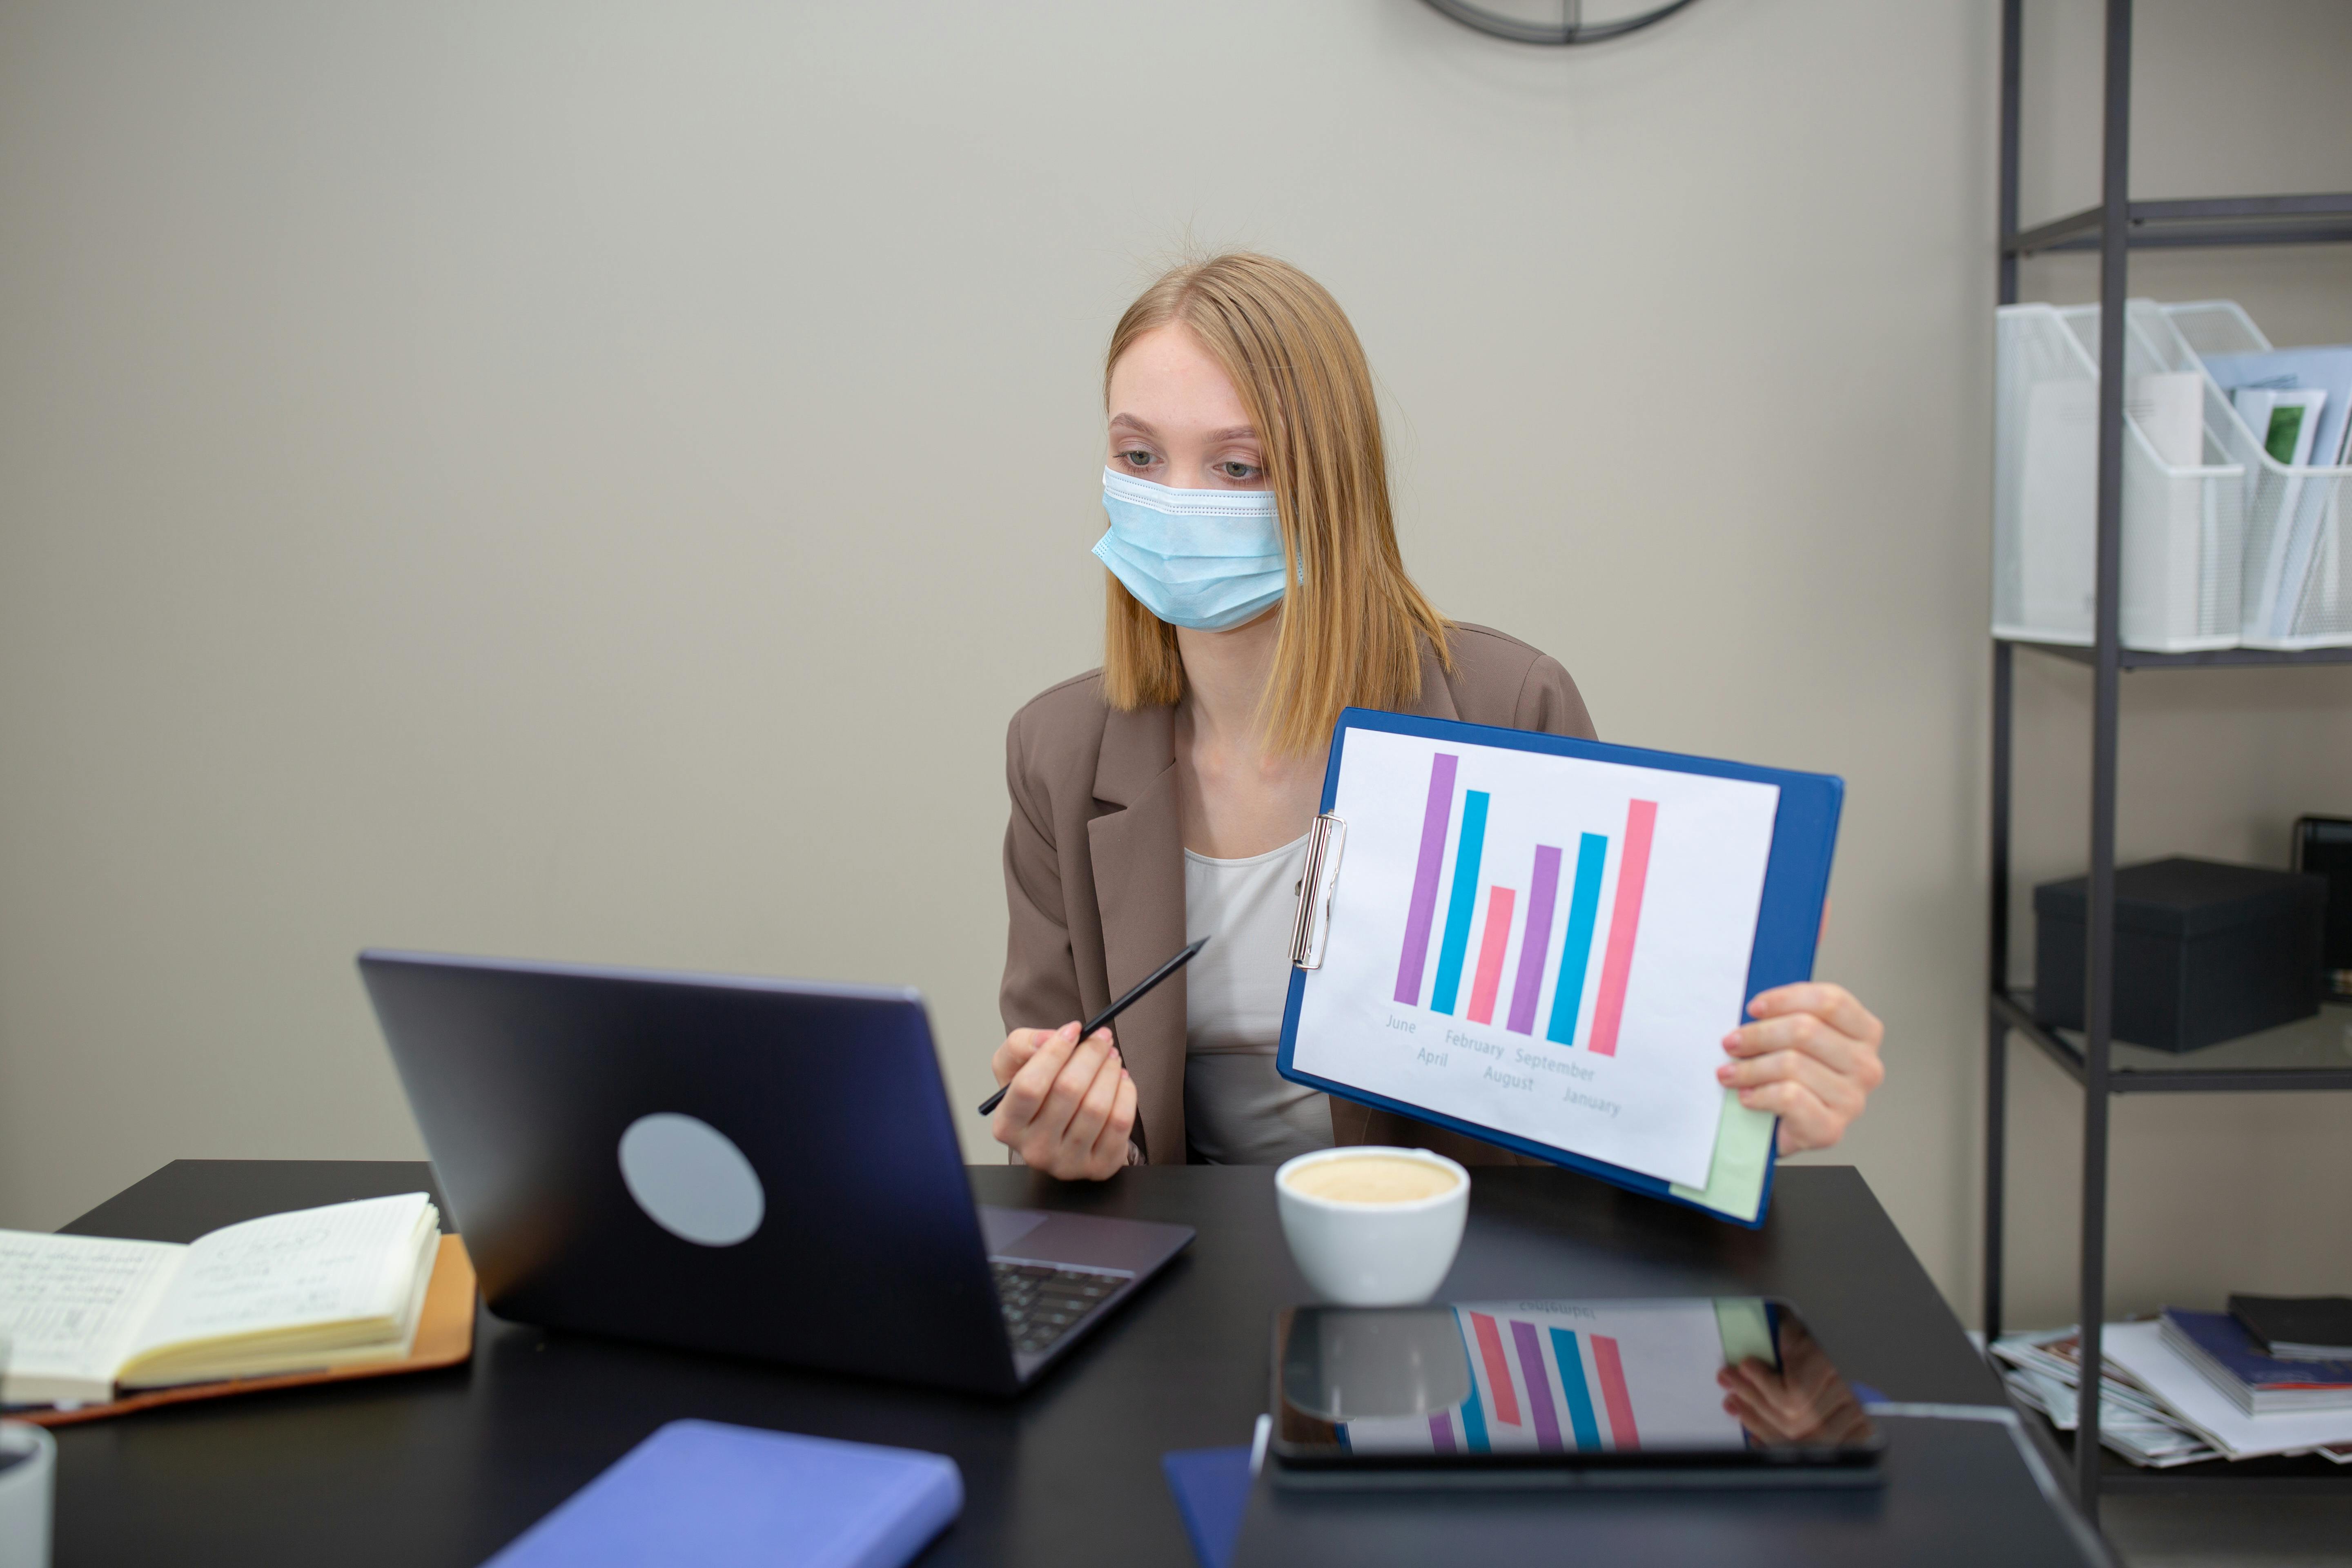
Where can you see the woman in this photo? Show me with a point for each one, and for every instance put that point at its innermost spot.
(1256, 589)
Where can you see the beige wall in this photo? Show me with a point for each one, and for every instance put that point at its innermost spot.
(592, 482)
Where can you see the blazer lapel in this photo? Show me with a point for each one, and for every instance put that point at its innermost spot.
(1136, 849)
(1137, 854)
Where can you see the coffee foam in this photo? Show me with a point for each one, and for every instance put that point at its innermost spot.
(1371, 1179)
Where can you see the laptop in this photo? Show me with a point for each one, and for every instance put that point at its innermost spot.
(765, 1168)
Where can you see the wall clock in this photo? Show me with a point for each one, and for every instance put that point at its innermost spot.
(1558, 21)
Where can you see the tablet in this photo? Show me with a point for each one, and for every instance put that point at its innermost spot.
(1724, 1390)
(1541, 942)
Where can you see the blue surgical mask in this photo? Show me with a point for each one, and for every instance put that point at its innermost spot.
(1203, 558)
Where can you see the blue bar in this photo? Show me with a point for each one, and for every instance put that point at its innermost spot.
(1463, 904)
(1474, 1415)
(1571, 1381)
(1576, 952)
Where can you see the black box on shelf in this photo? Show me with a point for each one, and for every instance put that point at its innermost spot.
(2205, 950)
(2323, 844)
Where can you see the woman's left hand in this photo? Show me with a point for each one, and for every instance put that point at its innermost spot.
(1811, 1058)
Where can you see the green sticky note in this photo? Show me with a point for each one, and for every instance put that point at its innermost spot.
(1747, 1331)
(1743, 1153)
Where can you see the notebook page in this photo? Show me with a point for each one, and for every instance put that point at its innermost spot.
(288, 1270)
(342, 1344)
(71, 1307)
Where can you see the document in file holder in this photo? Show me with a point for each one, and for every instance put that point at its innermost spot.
(1541, 942)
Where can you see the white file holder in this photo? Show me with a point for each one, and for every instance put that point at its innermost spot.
(2297, 576)
(2183, 525)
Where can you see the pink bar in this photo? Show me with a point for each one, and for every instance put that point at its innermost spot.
(1490, 953)
(1614, 1397)
(1624, 920)
(1499, 1371)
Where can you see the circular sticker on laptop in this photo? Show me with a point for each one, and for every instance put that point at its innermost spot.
(691, 1180)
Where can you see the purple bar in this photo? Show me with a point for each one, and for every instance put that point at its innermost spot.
(1539, 1400)
(1441, 1432)
(1425, 879)
(1537, 938)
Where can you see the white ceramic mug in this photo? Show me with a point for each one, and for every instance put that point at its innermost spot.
(26, 1483)
(1373, 1254)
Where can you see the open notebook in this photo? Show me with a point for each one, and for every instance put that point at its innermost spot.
(342, 1286)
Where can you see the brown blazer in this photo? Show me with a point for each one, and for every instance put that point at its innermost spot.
(1094, 869)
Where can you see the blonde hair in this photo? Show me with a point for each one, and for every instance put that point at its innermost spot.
(1353, 623)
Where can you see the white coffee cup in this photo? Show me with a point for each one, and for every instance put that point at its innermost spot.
(1373, 1254)
(27, 1484)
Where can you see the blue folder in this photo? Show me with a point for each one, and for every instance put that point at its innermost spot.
(1211, 1488)
(1788, 926)
(737, 1497)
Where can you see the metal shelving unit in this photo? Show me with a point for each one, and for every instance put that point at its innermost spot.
(2093, 1057)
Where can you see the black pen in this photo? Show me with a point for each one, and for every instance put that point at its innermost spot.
(988, 1107)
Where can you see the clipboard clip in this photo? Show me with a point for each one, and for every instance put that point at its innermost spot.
(1312, 924)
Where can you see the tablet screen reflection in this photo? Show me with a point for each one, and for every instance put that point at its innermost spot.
(1721, 1375)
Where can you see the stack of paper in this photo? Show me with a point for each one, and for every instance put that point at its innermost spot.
(2155, 1407)
(2042, 1371)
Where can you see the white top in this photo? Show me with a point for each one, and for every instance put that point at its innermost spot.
(1237, 1110)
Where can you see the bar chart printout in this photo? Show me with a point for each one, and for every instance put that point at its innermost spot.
(1548, 945)
(1536, 954)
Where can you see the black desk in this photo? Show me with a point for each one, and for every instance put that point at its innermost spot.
(445, 1468)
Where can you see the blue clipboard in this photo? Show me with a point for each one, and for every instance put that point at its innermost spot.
(1787, 929)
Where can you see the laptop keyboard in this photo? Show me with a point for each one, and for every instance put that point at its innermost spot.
(1042, 1303)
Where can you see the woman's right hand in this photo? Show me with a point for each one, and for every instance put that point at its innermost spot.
(1070, 1105)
